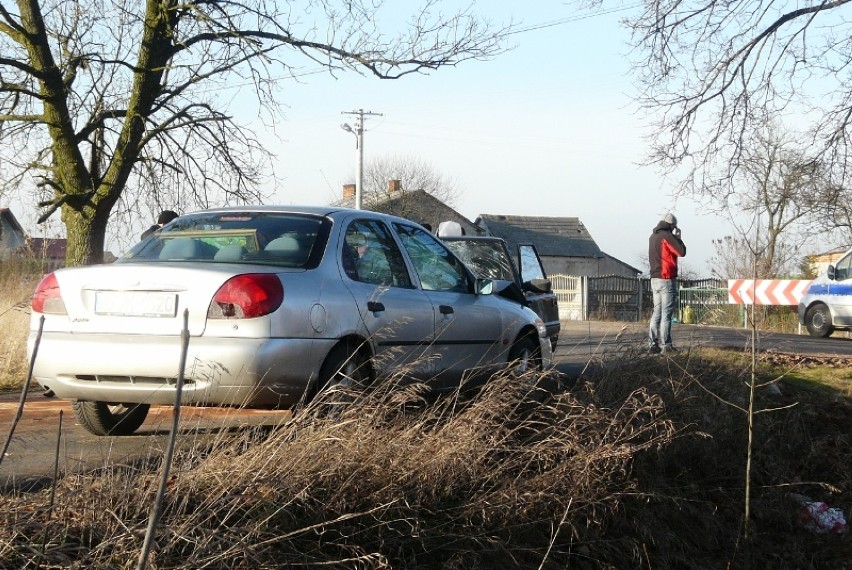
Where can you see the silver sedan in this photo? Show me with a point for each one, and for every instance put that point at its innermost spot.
(279, 303)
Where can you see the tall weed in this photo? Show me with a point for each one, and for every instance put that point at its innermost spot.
(389, 480)
(18, 279)
(639, 466)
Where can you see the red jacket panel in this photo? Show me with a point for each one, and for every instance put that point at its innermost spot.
(663, 250)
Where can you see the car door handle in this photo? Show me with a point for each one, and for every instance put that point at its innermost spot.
(375, 306)
(446, 309)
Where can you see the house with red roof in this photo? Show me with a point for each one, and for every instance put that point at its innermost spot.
(14, 242)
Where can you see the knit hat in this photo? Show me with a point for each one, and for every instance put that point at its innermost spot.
(670, 219)
(166, 216)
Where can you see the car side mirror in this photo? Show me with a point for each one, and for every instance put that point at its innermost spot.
(832, 272)
(538, 286)
(484, 286)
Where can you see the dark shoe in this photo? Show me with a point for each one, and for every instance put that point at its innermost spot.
(669, 349)
(653, 349)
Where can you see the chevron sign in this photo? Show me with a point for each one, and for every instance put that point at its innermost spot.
(766, 291)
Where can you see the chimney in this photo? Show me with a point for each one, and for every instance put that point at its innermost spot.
(348, 190)
(394, 186)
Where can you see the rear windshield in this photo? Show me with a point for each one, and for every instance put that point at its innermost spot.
(287, 240)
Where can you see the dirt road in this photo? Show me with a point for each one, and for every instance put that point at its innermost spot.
(32, 453)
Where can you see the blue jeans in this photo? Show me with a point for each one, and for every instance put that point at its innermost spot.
(665, 293)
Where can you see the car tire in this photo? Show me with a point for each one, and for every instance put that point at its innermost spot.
(345, 367)
(104, 418)
(818, 321)
(524, 357)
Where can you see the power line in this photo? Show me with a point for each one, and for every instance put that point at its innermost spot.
(530, 28)
(570, 20)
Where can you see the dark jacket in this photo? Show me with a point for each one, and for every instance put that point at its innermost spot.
(663, 250)
(149, 231)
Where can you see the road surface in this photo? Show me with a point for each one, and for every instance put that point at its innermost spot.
(32, 453)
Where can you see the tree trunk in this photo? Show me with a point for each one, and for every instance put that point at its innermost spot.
(86, 235)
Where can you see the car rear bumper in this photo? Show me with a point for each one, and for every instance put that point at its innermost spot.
(136, 368)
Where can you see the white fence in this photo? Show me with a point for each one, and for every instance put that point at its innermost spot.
(571, 294)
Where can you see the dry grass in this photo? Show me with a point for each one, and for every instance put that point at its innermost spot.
(17, 283)
(641, 467)
(391, 480)
(695, 487)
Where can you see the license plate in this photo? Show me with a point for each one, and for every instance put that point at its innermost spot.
(136, 304)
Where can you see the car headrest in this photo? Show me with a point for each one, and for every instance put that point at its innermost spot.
(283, 244)
(180, 248)
(230, 253)
(450, 229)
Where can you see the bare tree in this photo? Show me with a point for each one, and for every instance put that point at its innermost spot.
(737, 257)
(116, 105)
(714, 71)
(413, 174)
(836, 212)
(781, 189)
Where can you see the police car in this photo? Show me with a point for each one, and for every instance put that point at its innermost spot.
(827, 304)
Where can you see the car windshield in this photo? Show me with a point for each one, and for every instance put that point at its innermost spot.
(288, 240)
(485, 258)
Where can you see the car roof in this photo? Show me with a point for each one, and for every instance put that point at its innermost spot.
(318, 210)
(330, 211)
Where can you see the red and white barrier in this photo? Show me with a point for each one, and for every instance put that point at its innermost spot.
(766, 291)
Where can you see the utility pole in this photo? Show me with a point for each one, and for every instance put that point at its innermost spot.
(358, 131)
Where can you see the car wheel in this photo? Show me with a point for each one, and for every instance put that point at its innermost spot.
(524, 357)
(103, 418)
(818, 321)
(346, 367)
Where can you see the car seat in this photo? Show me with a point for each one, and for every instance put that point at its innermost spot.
(186, 248)
(285, 248)
(228, 253)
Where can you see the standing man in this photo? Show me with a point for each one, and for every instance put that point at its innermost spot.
(664, 247)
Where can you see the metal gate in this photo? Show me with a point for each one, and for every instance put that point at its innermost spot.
(571, 295)
(629, 298)
(615, 297)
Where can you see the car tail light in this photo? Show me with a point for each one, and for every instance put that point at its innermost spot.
(247, 296)
(47, 298)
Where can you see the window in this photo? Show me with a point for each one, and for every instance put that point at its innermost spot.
(370, 255)
(437, 268)
(286, 240)
(531, 267)
(843, 269)
(486, 258)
